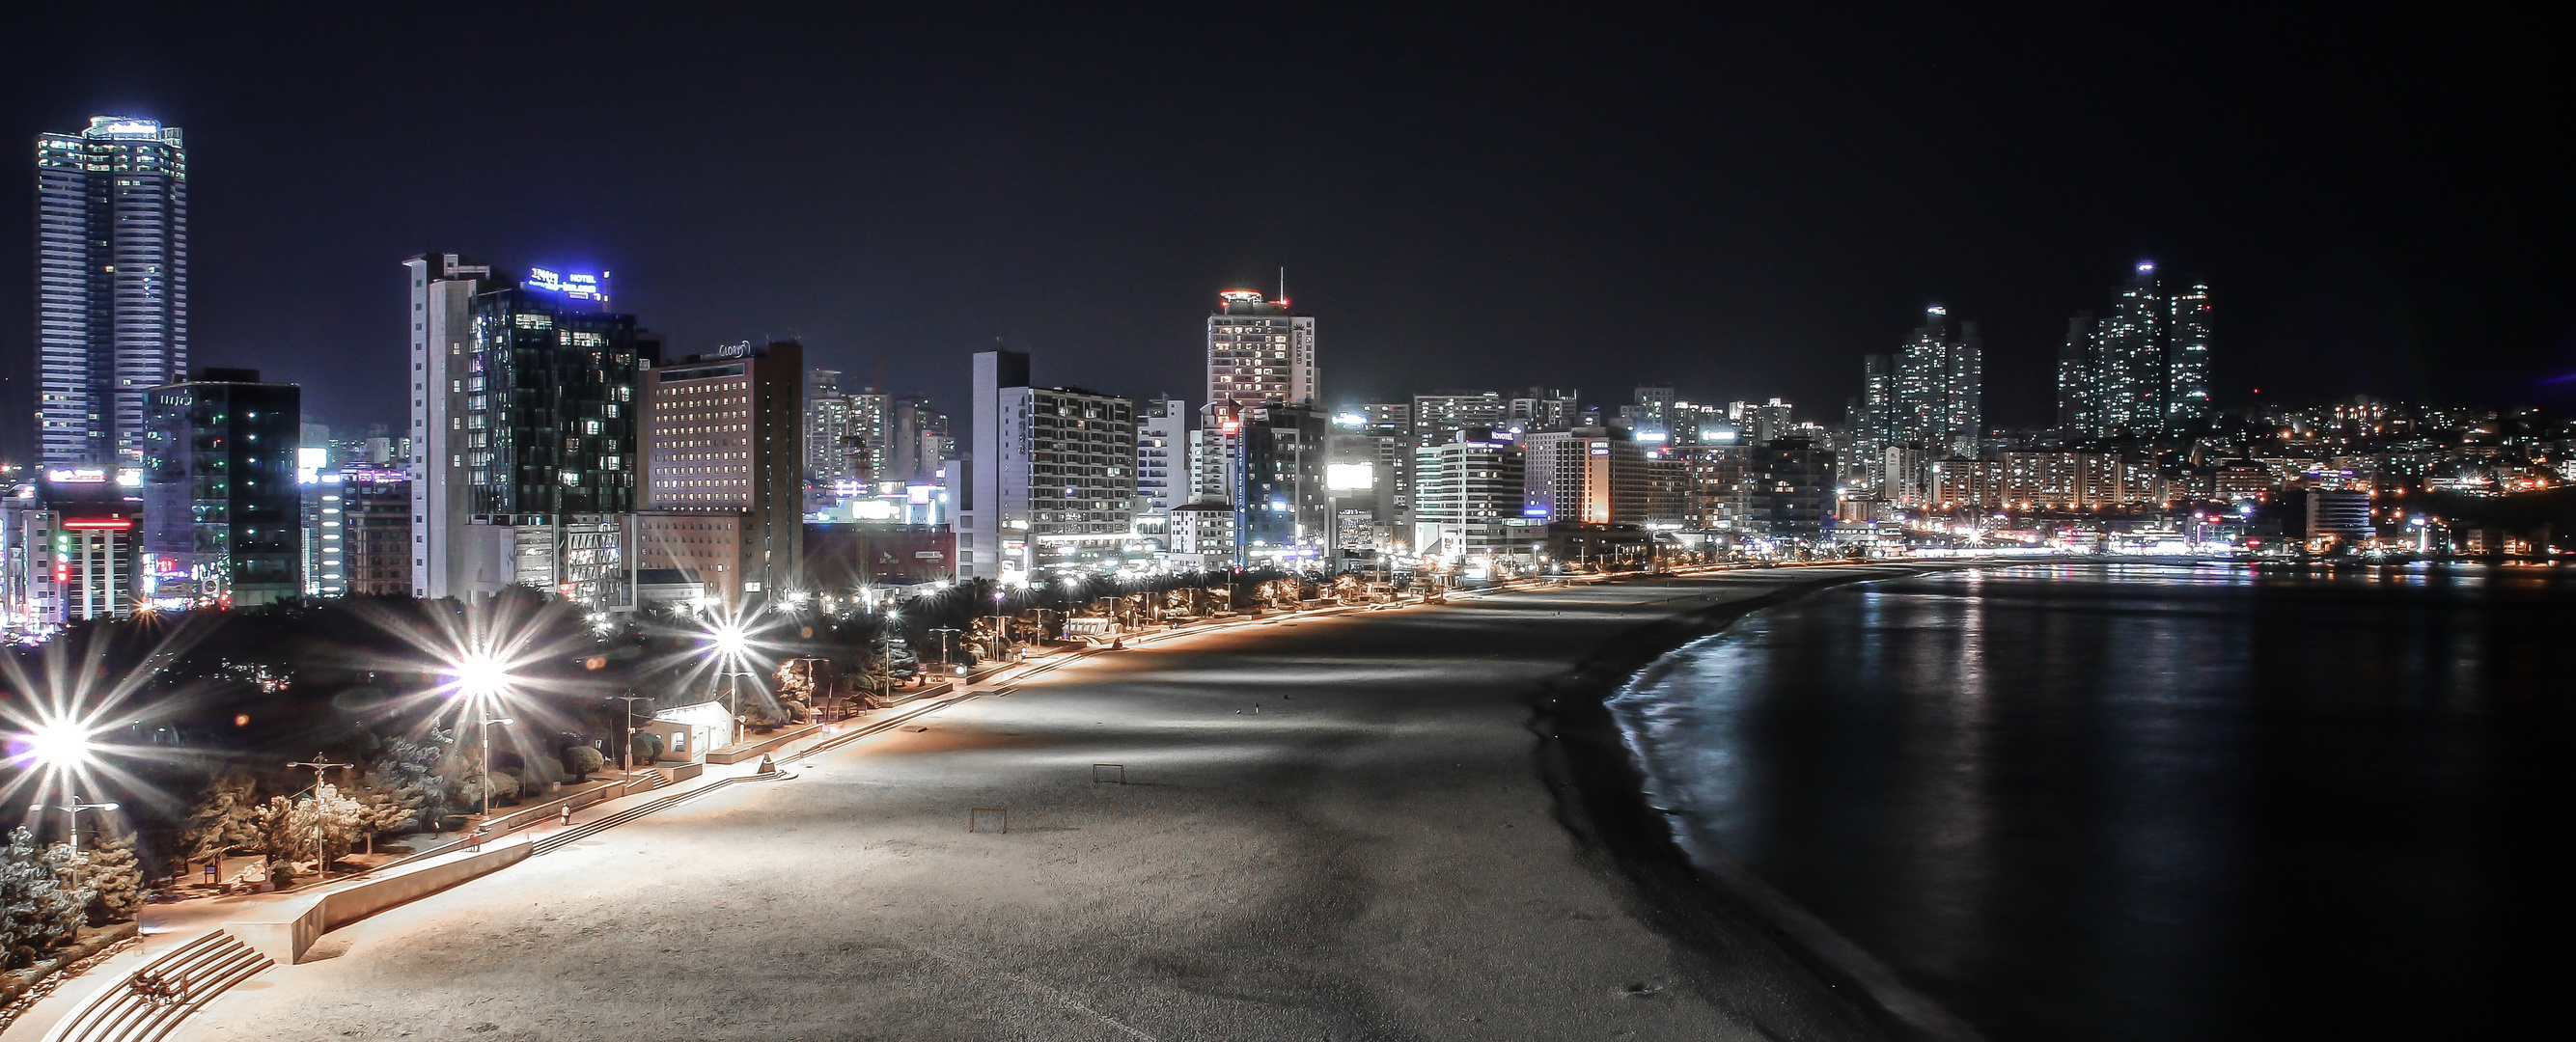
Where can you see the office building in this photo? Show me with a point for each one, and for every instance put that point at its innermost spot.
(1277, 485)
(375, 529)
(223, 514)
(111, 286)
(325, 565)
(524, 425)
(724, 473)
(73, 548)
(1257, 352)
(1600, 475)
(1052, 476)
(1469, 492)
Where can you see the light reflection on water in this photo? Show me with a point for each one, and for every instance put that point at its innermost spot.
(2143, 802)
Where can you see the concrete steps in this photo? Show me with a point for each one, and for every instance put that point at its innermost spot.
(210, 963)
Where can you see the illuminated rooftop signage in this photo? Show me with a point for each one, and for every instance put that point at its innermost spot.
(574, 284)
(77, 475)
(104, 126)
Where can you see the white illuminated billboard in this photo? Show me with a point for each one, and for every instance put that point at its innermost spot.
(1347, 477)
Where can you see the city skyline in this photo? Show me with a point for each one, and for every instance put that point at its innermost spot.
(1097, 270)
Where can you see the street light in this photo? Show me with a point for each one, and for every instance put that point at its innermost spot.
(71, 810)
(626, 753)
(485, 733)
(319, 765)
(730, 643)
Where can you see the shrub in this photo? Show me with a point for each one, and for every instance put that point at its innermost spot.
(646, 747)
(580, 760)
(797, 712)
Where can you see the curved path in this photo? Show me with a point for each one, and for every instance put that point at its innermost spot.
(1331, 828)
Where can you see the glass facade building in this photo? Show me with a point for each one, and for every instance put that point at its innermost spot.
(111, 285)
(223, 513)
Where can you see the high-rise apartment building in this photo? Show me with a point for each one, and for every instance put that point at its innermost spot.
(223, 513)
(724, 473)
(111, 285)
(1162, 454)
(1258, 352)
(831, 447)
(1543, 409)
(1939, 388)
(524, 422)
(1441, 413)
(1052, 477)
(2143, 369)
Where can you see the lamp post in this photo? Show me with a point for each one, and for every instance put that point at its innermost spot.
(72, 811)
(485, 734)
(944, 632)
(885, 650)
(730, 643)
(1001, 626)
(320, 764)
(626, 752)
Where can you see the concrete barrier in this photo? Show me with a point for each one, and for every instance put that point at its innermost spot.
(751, 751)
(287, 932)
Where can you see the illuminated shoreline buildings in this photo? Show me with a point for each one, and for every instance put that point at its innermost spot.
(111, 285)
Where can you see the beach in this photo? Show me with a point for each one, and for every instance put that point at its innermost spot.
(1378, 825)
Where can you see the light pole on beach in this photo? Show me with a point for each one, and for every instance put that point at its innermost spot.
(321, 764)
(626, 752)
(485, 734)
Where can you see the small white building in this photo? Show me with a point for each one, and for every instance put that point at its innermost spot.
(689, 732)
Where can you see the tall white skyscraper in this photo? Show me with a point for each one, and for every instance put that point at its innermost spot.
(1163, 453)
(111, 285)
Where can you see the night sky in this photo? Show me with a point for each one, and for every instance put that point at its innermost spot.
(1481, 198)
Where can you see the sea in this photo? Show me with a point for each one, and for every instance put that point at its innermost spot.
(2154, 802)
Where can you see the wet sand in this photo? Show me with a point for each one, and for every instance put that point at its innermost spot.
(1384, 825)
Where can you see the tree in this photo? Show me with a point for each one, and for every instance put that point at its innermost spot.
(647, 747)
(295, 825)
(227, 817)
(580, 760)
(114, 876)
(38, 910)
(797, 712)
(419, 774)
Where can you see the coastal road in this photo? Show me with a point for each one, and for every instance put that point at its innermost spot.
(1337, 827)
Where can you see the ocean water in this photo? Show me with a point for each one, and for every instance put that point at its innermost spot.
(2155, 802)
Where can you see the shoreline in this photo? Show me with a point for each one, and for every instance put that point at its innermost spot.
(1607, 804)
(1335, 826)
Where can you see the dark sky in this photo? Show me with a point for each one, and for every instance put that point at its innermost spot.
(1739, 206)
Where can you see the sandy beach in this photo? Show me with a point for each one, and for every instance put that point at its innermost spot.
(1383, 825)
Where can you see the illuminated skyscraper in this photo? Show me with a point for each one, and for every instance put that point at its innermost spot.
(524, 425)
(2143, 370)
(1939, 389)
(1258, 353)
(111, 285)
